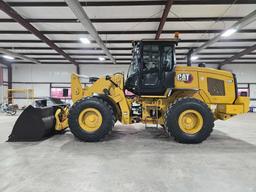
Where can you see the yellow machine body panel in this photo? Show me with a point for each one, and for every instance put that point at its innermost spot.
(225, 111)
(217, 86)
(150, 103)
(103, 86)
(214, 87)
(61, 117)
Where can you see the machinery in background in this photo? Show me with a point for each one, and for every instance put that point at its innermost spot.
(185, 100)
(49, 102)
(8, 109)
(20, 93)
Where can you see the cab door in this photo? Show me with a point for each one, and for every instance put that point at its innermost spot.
(156, 68)
(151, 73)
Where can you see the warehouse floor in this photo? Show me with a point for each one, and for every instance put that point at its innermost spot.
(132, 159)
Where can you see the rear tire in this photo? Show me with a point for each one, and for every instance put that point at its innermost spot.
(186, 110)
(104, 118)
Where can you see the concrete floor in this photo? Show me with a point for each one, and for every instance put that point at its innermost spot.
(132, 159)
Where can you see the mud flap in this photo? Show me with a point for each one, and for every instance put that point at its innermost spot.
(34, 124)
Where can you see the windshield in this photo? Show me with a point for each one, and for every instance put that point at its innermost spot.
(154, 54)
(134, 67)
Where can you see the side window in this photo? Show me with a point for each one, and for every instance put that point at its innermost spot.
(151, 58)
(134, 67)
(151, 65)
(168, 58)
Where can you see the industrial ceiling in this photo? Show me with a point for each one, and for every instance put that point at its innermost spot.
(118, 23)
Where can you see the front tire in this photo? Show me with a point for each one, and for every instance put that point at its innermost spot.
(189, 120)
(91, 119)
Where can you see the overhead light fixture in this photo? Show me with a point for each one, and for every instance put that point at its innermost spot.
(84, 40)
(193, 58)
(228, 32)
(8, 57)
(102, 58)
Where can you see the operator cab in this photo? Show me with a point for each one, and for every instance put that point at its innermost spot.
(151, 70)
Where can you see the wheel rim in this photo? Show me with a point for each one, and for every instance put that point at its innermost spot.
(190, 121)
(90, 119)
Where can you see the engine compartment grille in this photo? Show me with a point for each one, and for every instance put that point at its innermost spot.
(216, 87)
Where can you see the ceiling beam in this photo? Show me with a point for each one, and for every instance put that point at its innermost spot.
(5, 62)
(163, 18)
(78, 54)
(128, 3)
(128, 63)
(125, 32)
(125, 20)
(236, 26)
(125, 54)
(91, 57)
(80, 63)
(116, 48)
(130, 56)
(17, 55)
(122, 41)
(13, 14)
(238, 55)
(81, 15)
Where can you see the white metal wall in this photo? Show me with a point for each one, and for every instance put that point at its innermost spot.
(39, 77)
(245, 73)
(98, 70)
(1, 84)
(42, 73)
(2, 87)
(46, 74)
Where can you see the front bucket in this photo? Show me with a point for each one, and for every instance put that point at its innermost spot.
(34, 124)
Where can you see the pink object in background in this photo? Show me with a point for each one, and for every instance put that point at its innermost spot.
(58, 93)
(128, 93)
(243, 90)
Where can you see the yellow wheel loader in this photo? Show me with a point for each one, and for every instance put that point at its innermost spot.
(185, 100)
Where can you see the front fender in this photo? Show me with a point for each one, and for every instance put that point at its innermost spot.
(112, 103)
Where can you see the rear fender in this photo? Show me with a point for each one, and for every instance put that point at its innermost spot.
(195, 93)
